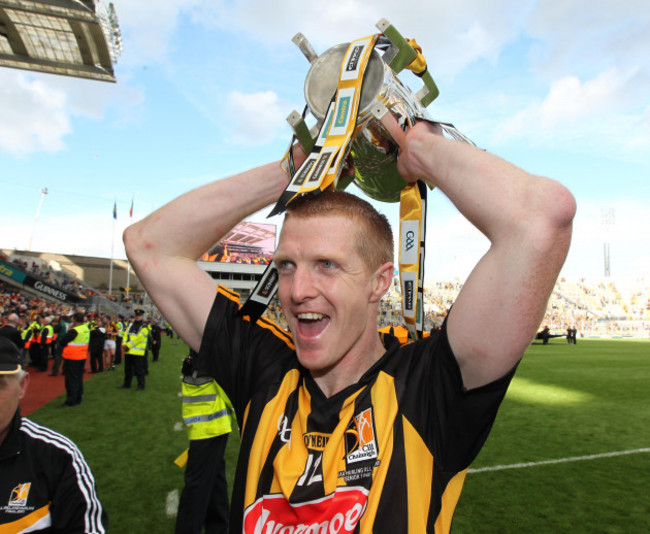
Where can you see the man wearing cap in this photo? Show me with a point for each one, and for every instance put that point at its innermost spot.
(134, 347)
(45, 483)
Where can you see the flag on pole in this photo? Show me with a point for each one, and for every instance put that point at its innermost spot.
(131, 210)
(115, 210)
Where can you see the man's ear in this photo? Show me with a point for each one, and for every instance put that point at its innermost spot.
(382, 278)
(24, 385)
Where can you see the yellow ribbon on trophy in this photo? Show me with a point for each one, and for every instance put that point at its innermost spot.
(321, 170)
(412, 239)
(322, 167)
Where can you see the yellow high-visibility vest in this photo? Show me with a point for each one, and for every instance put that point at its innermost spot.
(77, 349)
(207, 410)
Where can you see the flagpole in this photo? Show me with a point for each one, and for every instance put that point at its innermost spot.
(110, 275)
(128, 263)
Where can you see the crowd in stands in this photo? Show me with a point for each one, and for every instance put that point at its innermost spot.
(30, 315)
(600, 308)
(44, 272)
(594, 309)
(250, 259)
(61, 279)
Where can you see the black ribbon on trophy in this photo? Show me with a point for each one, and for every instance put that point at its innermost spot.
(353, 91)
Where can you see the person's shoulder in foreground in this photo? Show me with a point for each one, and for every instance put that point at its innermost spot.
(47, 484)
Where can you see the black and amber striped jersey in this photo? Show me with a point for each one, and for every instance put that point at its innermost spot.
(387, 454)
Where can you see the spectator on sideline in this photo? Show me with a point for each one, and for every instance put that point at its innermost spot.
(96, 345)
(134, 348)
(156, 340)
(47, 336)
(209, 418)
(45, 483)
(10, 330)
(60, 330)
(75, 352)
(109, 343)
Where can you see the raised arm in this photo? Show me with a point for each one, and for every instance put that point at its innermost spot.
(528, 220)
(164, 247)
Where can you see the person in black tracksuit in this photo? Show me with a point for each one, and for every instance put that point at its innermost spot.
(44, 478)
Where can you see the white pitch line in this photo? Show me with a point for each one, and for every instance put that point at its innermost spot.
(171, 505)
(559, 460)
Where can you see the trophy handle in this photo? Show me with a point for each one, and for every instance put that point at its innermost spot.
(305, 47)
(405, 56)
(301, 131)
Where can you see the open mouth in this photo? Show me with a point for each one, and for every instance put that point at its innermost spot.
(312, 324)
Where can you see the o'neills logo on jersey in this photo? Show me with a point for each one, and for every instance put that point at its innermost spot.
(360, 441)
(338, 513)
(315, 441)
(19, 495)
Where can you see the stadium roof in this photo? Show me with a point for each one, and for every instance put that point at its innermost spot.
(250, 233)
(78, 38)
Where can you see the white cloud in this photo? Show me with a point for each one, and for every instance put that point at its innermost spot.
(586, 34)
(255, 118)
(598, 114)
(148, 29)
(34, 116)
(38, 110)
(452, 36)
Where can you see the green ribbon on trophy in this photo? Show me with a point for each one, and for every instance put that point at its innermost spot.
(351, 125)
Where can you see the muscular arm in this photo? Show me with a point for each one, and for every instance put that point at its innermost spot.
(528, 220)
(164, 247)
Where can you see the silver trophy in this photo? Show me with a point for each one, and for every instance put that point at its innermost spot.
(373, 152)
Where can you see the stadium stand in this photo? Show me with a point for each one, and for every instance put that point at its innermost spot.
(596, 308)
(46, 280)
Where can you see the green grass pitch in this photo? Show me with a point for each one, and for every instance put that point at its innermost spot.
(576, 417)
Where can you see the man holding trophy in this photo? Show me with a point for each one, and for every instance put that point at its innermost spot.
(341, 433)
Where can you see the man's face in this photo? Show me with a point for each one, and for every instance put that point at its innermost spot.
(328, 294)
(11, 391)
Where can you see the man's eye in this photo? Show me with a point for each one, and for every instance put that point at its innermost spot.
(284, 264)
(327, 264)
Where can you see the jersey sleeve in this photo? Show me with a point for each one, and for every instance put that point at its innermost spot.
(455, 421)
(242, 357)
(75, 506)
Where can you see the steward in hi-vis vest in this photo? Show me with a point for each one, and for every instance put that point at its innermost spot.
(134, 348)
(74, 353)
(33, 342)
(209, 417)
(121, 329)
(47, 337)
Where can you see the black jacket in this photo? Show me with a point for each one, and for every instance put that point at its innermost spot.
(46, 484)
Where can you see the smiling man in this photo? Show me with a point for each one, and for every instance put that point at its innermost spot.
(341, 433)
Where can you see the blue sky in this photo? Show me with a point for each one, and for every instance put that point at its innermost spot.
(561, 89)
